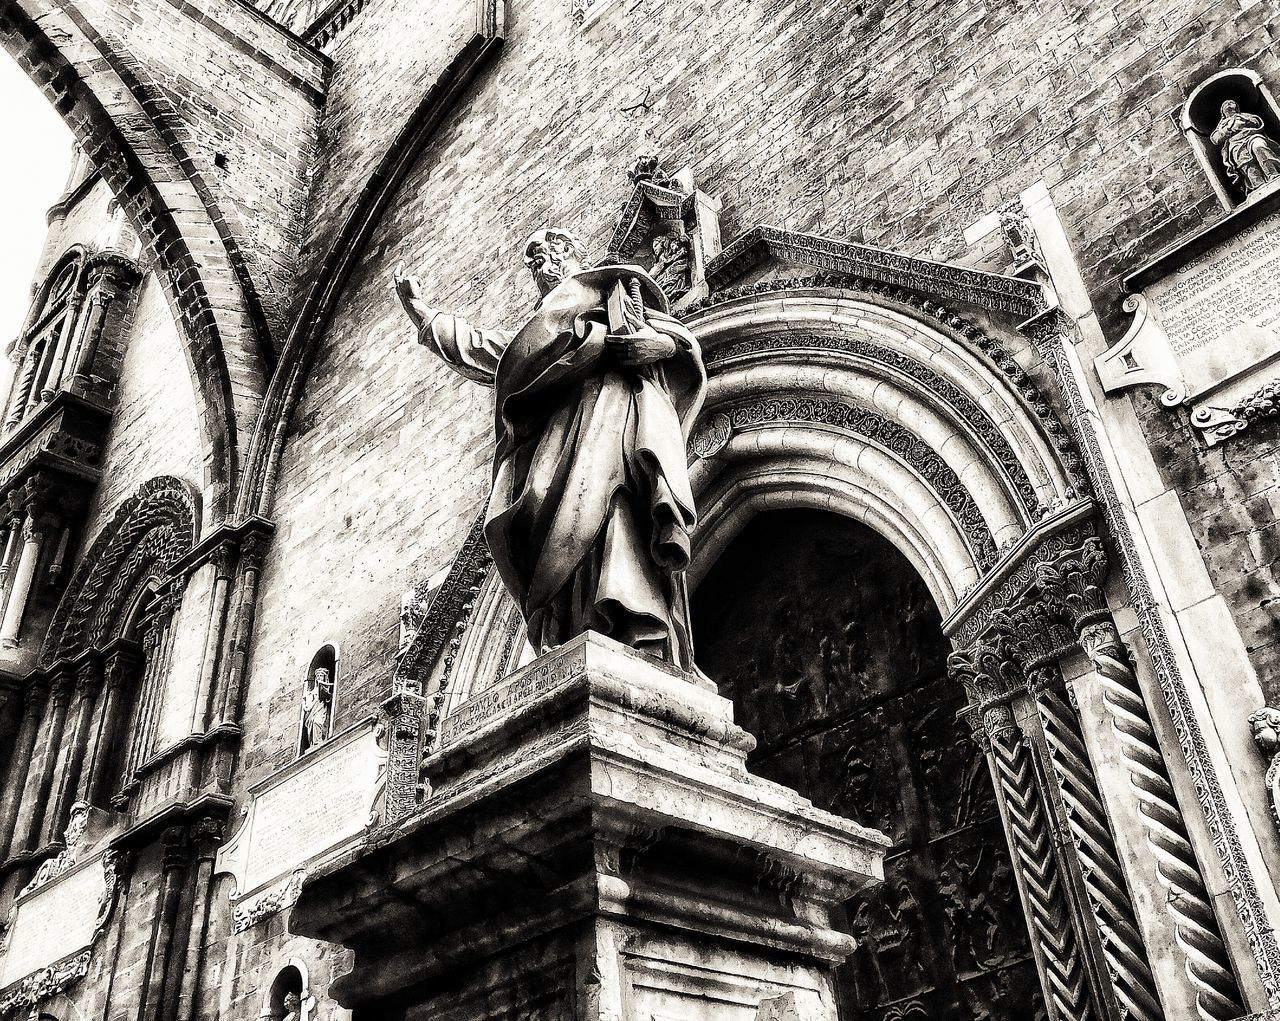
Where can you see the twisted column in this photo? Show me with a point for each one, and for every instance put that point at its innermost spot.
(1047, 906)
(1206, 962)
(1104, 880)
(988, 676)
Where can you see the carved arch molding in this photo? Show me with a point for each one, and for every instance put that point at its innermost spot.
(149, 532)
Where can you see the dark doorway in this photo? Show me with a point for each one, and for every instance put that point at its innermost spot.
(831, 648)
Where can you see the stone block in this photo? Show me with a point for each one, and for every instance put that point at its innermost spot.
(596, 849)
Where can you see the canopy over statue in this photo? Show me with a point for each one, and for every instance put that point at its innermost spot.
(590, 514)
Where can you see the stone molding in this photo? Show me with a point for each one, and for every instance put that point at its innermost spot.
(1219, 820)
(937, 280)
(930, 465)
(966, 333)
(150, 530)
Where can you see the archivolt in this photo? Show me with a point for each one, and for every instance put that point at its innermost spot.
(835, 399)
(148, 533)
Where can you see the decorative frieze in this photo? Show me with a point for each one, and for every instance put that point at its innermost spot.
(944, 281)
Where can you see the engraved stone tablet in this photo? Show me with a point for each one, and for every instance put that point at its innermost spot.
(54, 921)
(1207, 329)
(303, 812)
(520, 687)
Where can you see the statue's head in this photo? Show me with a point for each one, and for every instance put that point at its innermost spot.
(292, 1002)
(1230, 108)
(551, 255)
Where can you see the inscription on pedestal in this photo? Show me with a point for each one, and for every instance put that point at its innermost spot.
(55, 921)
(522, 686)
(298, 815)
(1221, 311)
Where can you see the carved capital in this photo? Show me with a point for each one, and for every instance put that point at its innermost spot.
(1265, 726)
(990, 677)
(206, 835)
(34, 699)
(1101, 642)
(175, 850)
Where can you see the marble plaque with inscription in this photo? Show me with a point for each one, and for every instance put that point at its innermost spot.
(316, 805)
(1207, 329)
(54, 921)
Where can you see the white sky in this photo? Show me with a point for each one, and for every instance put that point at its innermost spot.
(33, 171)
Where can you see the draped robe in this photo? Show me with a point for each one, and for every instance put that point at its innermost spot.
(591, 511)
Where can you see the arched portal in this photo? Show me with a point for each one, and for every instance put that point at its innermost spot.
(831, 648)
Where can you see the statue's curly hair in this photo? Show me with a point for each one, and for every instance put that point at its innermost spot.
(545, 242)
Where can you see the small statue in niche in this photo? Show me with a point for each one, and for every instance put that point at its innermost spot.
(292, 1007)
(1251, 157)
(317, 702)
(671, 264)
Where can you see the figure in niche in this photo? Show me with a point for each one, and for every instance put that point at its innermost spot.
(317, 708)
(1251, 157)
(591, 510)
(671, 264)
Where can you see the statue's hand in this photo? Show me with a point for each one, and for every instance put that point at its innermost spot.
(643, 347)
(408, 287)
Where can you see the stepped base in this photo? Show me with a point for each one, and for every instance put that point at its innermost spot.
(597, 851)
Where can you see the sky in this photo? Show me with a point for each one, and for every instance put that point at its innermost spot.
(33, 171)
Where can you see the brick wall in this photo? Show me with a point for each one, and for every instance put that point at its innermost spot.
(792, 113)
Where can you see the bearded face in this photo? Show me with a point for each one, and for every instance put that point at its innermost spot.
(552, 255)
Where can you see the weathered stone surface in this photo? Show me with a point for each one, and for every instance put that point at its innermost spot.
(604, 826)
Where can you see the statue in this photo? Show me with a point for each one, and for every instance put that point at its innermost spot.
(292, 1007)
(1252, 158)
(591, 511)
(671, 264)
(317, 699)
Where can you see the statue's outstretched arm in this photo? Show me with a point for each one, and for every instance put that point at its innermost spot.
(470, 351)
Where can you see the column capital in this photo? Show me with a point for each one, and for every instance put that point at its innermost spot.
(991, 678)
(35, 698)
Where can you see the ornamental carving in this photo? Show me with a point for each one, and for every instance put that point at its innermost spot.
(922, 306)
(1022, 298)
(148, 533)
(935, 471)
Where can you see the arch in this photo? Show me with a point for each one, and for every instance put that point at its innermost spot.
(290, 980)
(148, 533)
(129, 129)
(835, 397)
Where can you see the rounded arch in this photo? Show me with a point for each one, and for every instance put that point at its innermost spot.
(831, 397)
(129, 129)
(149, 532)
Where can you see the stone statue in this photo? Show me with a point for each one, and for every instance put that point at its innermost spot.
(292, 1007)
(672, 269)
(590, 513)
(317, 699)
(1252, 157)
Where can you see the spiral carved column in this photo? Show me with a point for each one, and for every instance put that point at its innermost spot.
(1045, 901)
(1207, 964)
(1104, 881)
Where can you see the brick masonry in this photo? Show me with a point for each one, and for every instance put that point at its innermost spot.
(892, 123)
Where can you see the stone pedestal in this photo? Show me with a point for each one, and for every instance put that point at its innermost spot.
(595, 849)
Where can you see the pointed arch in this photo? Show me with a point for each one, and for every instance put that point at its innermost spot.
(148, 533)
(129, 129)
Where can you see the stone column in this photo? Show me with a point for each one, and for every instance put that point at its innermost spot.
(24, 576)
(174, 858)
(118, 672)
(1075, 988)
(35, 795)
(220, 562)
(22, 392)
(1188, 956)
(19, 764)
(62, 353)
(92, 336)
(206, 835)
(74, 750)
